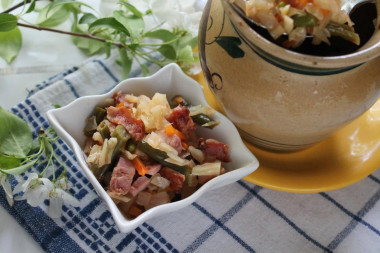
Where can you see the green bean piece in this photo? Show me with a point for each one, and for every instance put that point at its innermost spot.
(122, 138)
(344, 32)
(103, 130)
(205, 121)
(304, 20)
(160, 156)
(131, 146)
(90, 127)
(179, 100)
(99, 113)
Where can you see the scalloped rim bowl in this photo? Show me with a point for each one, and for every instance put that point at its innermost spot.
(69, 122)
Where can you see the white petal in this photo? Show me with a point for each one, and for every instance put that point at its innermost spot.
(63, 183)
(24, 185)
(8, 190)
(67, 198)
(55, 207)
(47, 183)
(37, 196)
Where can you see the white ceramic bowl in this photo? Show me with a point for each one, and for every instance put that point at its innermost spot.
(69, 122)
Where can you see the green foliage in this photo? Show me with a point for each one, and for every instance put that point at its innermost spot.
(5, 4)
(18, 151)
(10, 44)
(8, 162)
(132, 23)
(124, 30)
(51, 17)
(15, 135)
(7, 22)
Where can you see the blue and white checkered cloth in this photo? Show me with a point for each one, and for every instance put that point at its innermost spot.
(241, 217)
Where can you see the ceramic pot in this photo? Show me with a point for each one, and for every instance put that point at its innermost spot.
(279, 99)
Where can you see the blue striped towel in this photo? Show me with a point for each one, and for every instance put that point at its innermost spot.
(241, 217)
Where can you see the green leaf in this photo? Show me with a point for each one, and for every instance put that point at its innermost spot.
(7, 22)
(52, 17)
(32, 6)
(107, 48)
(132, 9)
(66, 2)
(8, 162)
(168, 51)
(186, 40)
(5, 4)
(126, 62)
(15, 135)
(10, 44)
(88, 46)
(108, 22)
(186, 54)
(161, 34)
(87, 18)
(144, 70)
(20, 169)
(134, 24)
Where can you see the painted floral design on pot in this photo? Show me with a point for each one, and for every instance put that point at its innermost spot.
(279, 99)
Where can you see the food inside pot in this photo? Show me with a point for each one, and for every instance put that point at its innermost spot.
(316, 27)
(146, 153)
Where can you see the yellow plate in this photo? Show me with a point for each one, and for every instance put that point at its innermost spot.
(346, 157)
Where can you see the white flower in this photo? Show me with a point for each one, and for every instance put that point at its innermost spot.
(63, 183)
(7, 188)
(57, 196)
(36, 190)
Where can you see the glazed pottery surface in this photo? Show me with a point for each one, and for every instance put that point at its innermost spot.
(279, 99)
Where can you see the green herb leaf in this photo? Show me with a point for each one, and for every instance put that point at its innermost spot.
(161, 34)
(126, 62)
(5, 4)
(87, 18)
(108, 22)
(188, 39)
(50, 17)
(15, 135)
(88, 46)
(7, 22)
(8, 162)
(186, 54)
(20, 169)
(32, 6)
(144, 70)
(132, 8)
(168, 51)
(134, 24)
(10, 44)
(66, 2)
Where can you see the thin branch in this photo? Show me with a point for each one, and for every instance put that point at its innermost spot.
(20, 4)
(83, 35)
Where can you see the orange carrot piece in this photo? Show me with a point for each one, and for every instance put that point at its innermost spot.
(134, 211)
(170, 130)
(184, 145)
(139, 166)
(120, 105)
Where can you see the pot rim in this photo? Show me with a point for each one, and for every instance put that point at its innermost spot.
(257, 42)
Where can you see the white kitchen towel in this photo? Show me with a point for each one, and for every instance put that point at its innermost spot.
(240, 217)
